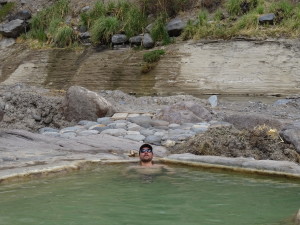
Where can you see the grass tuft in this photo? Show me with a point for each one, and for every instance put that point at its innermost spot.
(64, 36)
(103, 29)
(6, 9)
(153, 56)
(159, 31)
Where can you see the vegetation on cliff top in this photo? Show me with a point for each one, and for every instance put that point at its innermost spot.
(216, 19)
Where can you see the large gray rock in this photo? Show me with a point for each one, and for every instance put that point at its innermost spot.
(119, 39)
(291, 134)
(184, 112)
(267, 19)
(13, 29)
(249, 121)
(143, 121)
(148, 41)
(21, 15)
(175, 27)
(153, 139)
(136, 40)
(3, 2)
(82, 104)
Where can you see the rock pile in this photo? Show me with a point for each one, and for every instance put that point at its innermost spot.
(136, 127)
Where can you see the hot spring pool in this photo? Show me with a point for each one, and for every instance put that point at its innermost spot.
(190, 196)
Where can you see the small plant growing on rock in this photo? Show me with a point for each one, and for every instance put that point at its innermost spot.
(153, 56)
(151, 59)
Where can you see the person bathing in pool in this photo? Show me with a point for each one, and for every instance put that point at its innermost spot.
(146, 165)
(146, 155)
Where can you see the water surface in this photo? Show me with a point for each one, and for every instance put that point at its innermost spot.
(109, 196)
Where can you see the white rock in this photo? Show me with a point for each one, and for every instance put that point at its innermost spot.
(119, 116)
(168, 143)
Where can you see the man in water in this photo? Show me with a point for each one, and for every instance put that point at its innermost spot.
(146, 155)
(146, 165)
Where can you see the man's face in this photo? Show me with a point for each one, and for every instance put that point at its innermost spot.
(146, 155)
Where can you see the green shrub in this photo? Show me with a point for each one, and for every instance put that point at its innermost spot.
(133, 22)
(131, 18)
(168, 7)
(53, 26)
(218, 15)
(41, 21)
(189, 30)
(247, 21)
(103, 29)
(283, 10)
(260, 9)
(202, 17)
(64, 36)
(153, 56)
(6, 9)
(233, 7)
(159, 31)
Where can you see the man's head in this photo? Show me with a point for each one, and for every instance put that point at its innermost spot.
(146, 153)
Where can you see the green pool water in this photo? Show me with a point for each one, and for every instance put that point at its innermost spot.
(109, 196)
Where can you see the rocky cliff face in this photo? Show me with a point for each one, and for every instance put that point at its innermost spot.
(238, 67)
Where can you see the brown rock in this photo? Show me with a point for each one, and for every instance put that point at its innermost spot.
(184, 112)
(82, 104)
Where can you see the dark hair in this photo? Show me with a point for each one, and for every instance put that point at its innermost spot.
(146, 146)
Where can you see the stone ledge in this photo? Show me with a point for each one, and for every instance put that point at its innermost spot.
(242, 165)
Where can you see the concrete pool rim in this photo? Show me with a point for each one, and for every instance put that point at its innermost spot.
(283, 169)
